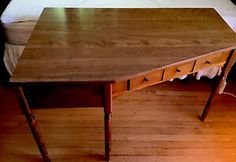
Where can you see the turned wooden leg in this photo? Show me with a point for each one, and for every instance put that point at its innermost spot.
(220, 82)
(107, 119)
(214, 92)
(32, 124)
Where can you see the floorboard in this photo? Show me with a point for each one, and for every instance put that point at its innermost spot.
(160, 123)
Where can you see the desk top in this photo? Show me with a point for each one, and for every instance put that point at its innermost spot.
(109, 45)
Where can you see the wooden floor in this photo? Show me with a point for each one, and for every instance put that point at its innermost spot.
(160, 123)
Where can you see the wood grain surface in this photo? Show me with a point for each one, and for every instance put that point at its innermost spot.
(155, 124)
(110, 45)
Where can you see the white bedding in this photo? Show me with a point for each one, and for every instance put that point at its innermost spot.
(18, 33)
(20, 16)
(11, 56)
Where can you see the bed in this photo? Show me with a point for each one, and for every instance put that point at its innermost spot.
(20, 17)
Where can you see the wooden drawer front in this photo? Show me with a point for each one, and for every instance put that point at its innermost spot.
(146, 80)
(208, 61)
(178, 70)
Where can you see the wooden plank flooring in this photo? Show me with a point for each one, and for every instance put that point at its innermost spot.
(160, 123)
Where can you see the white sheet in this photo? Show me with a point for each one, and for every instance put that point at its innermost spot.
(18, 33)
(11, 56)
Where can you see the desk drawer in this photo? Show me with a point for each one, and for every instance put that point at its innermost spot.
(208, 61)
(178, 70)
(146, 80)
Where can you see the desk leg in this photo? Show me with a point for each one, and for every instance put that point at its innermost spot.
(32, 124)
(226, 69)
(107, 119)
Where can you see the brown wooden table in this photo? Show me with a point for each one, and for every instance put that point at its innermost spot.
(104, 52)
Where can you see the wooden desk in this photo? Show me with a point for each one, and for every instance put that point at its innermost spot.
(105, 52)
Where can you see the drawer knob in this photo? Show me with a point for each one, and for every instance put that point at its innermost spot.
(178, 70)
(145, 79)
(208, 62)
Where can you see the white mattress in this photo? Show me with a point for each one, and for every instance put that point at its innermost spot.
(11, 55)
(20, 16)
